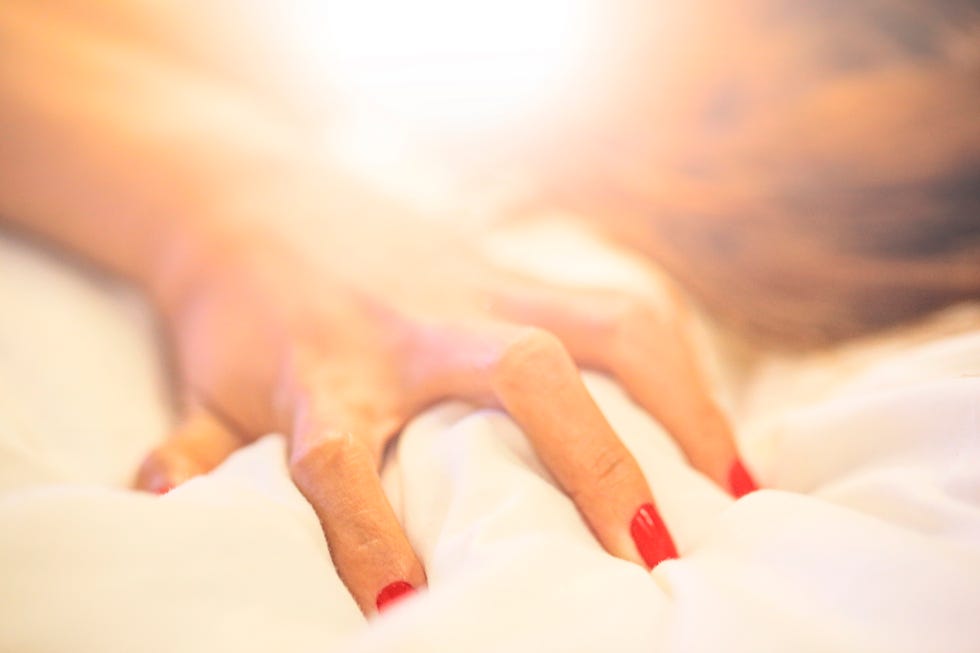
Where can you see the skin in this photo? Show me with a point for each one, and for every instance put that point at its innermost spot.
(161, 163)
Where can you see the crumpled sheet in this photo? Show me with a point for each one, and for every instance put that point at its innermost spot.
(867, 537)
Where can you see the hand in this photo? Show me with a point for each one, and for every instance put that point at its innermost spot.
(150, 169)
(340, 355)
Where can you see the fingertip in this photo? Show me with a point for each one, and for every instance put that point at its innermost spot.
(163, 470)
(740, 481)
(651, 537)
(198, 445)
(393, 593)
(158, 482)
(162, 488)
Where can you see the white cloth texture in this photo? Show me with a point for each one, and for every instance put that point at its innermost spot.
(866, 538)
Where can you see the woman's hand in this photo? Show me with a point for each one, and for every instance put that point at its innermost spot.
(340, 353)
(125, 156)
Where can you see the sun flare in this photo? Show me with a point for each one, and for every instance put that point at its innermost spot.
(454, 63)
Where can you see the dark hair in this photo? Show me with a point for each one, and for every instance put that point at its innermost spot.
(810, 171)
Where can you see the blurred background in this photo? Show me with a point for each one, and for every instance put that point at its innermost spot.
(809, 171)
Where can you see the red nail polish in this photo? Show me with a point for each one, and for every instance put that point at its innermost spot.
(740, 482)
(650, 534)
(392, 593)
(163, 489)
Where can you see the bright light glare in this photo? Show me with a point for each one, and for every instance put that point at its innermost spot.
(454, 63)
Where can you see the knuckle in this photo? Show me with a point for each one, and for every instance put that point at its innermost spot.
(610, 468)
(639, 329)
(633, 317)
(530, 348)
(325, 453)
(530, 345)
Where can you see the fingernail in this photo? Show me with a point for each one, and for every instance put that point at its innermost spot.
(650, 534)
(392, 593)
(163, 489)
(740, 482)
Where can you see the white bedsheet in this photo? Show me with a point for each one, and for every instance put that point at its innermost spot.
(868, 540)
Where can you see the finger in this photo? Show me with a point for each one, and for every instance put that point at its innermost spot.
(677, 393)
(644, 342)
(335, 466)
(199, 444)
(529, 373)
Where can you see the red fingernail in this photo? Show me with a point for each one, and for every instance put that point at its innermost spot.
(740, 482)
(163, 489)
(393, 593)
(650, 534)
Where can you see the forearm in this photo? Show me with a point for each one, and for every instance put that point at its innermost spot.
(112, 152)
